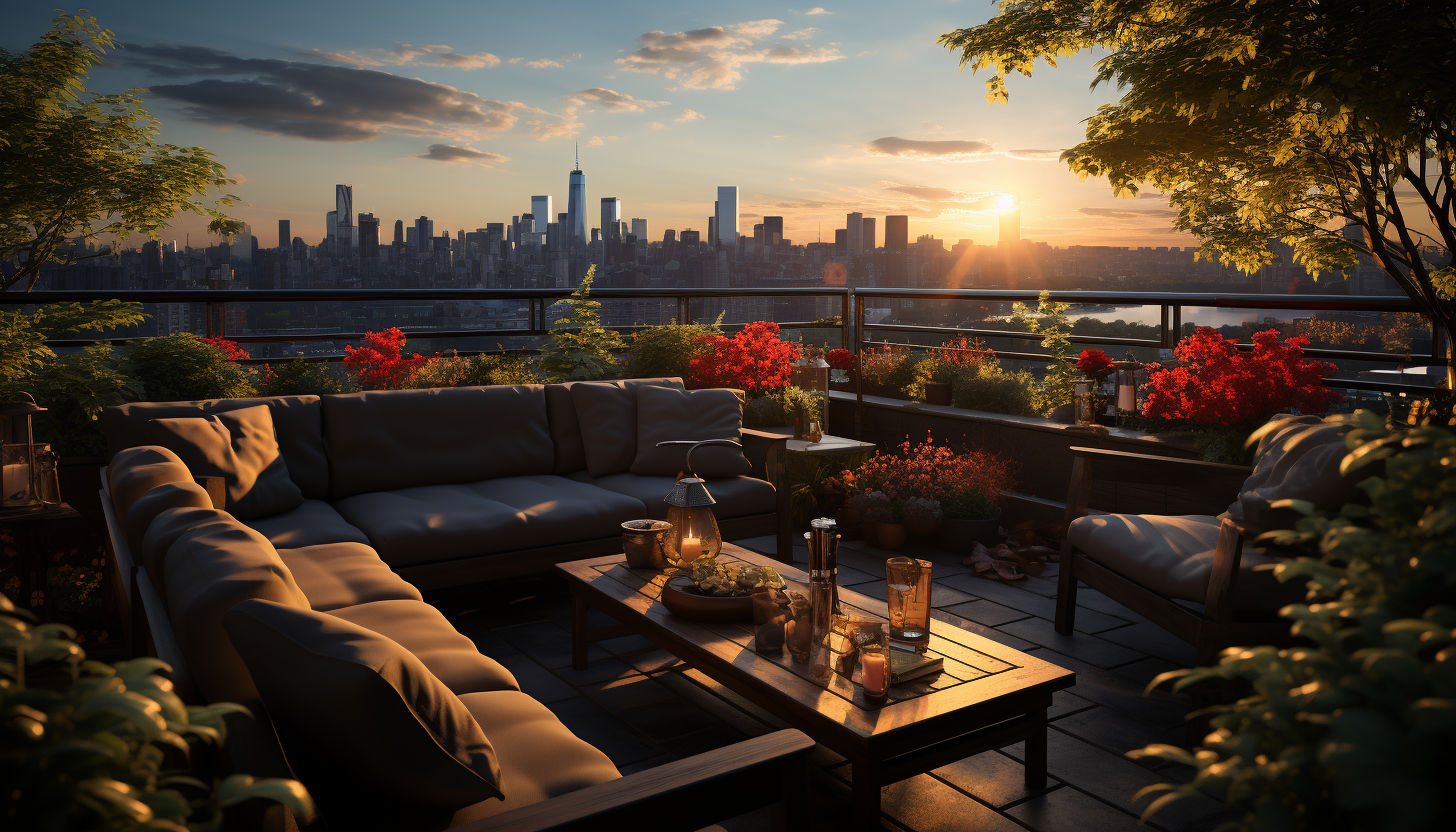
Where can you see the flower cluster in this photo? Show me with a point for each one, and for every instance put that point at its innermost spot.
(230, 349)
(932, 472)
(755, 360)
(378, 364)
(1094, 364)
(962, 353)
(1218, 384)
(840, 359)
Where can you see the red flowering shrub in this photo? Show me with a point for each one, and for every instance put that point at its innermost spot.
(840, 359)
(962, 353)
(1220, 385)
(933, 472)
(755, 360)
(1094, 363)
(378, 364)
(230, 349)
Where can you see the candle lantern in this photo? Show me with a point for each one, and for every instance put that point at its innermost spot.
(27, 467)
(1127, 371)
(1084, 401)
(694, 531)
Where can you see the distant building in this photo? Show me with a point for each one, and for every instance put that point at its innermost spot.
(285, 233)
(424, 234)
(611, 217)
(773, 230)
(868, 241)
(691, 240)
(399, 232)
(344, 214)
(854, 233)
(1010, 227)
(541, 210)
(726, 213)
(576, 208)
(897, 233)
(841, 241)
(331, 225)
(368, 236)
(639, 229)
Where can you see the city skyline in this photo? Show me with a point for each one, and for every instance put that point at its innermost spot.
(804, 108)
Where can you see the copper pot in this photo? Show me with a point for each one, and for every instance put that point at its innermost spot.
(646, 544)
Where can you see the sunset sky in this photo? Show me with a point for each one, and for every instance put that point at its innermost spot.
(462, 110)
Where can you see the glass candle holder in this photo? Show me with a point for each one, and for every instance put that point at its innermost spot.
(908, 598)
(1084, 407)
(874, 677)
(771, 618)
(799, 628)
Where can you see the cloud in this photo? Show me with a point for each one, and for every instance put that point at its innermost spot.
(818, 10)
(802, 34)
(405, 54)
(655, 125)
(689, 115)
(548, 63)
(617, 102)
(598, 141)
(462, 155)
(1128, 213)
(949, 151)
(927, 192)
(545, 63)
(567, 124)
(713, 58)
(315, 101)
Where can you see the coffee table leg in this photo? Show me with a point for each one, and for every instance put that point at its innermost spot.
(1036, 753)
(578, 632)
(865, 796)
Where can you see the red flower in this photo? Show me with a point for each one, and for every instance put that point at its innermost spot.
(230, 349)
(1220, 385)
(379, 365)
(755, 359)
(1094, 363)
(962, 352)
(840, 359)
(933, 472)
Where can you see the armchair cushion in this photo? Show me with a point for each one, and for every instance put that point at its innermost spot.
(367, 728)
(666, 414)
(1173, 556)
(240, 447)
(1298, 458)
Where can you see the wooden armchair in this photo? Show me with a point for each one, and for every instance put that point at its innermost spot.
(1144, 587)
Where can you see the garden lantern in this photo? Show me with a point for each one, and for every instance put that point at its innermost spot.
(1127, 371)
(694, 531)
(27, 468)
(1084, 401)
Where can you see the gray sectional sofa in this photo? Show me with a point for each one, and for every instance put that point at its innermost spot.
(402, 491)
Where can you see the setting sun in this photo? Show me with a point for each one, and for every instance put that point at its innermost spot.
(1005, 202)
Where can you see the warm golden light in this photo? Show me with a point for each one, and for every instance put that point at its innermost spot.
(1005, 202)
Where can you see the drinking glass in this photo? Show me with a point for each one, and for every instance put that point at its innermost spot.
(908, 581)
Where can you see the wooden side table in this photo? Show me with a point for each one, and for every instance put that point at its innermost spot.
(811, 460)
(31, 568)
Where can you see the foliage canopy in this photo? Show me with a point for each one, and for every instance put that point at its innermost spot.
(581, 348)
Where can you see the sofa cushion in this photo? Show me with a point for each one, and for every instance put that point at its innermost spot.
(570, 451)
(392, 439)
(422, 630)
(1297, 458)
(539, 757)
(334, 575)
(162, 498)
(310, 524)
(607, 413)
(377, 739)
(135, 471)
(413, 526)
(297, 423)
(240, 447)
(1173, 556)
(665, 414)
(164, 530)
(210, 569)
(735, 496)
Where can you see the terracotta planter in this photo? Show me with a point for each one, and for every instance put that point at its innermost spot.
(892, 536)
(922, 527)
(938, 394)
(961, 535)
(869, 529)
(848, 521)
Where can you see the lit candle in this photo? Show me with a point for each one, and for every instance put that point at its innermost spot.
(873, 672)
(15, 484)
(692, 548)
(1126, 398)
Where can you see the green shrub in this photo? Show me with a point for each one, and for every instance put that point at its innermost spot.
(303, 378)
(581, 349)
(183, 367)
(989, 387)
(910, 374)
(1355, 731)
(778, 408)
(474, 371)
(664, 351)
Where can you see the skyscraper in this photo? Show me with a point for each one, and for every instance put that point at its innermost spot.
(368, 236)
(344, 214)
(611, 217)
(576, 207)
(854, 233)
(727, 215)
(424, 234)
(1010, 226)
(541, 210)
(868, 241)
(399, 232)
(331, 224)
(285, 233)
(639, 229)
(897, 233)
(773, 230)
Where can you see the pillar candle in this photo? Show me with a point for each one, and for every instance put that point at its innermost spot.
(873, 672)
(1127, 397)
(15, 484)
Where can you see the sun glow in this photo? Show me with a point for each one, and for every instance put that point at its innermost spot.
(1005, 202)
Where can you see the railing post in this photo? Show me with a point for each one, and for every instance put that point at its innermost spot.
(684, 315)
(844, 319)
(211, 314)
(859, 366)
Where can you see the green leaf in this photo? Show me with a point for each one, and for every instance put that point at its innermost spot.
(240, 787)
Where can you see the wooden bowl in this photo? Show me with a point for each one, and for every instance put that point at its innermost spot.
(681, 597)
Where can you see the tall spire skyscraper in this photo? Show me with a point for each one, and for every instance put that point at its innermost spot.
(576, 205)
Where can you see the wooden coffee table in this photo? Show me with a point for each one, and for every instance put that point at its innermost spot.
(988, 696)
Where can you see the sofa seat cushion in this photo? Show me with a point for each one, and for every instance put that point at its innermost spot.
(434, 523)
(310, 524)
(1173, 556)
(539, 757)
(735, 496)
(335, 575)
(422, 630)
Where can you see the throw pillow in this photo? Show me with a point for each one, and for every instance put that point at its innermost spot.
(607, 412)
(667, 415)
(377, 739)
(240, 447)
(1297, 458)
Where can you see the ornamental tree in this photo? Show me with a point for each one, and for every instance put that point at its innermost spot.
(580, 347)
(378, 364)
(1264, 121)
(755, 360)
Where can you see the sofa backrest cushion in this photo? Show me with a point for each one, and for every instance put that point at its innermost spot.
(144, 512)
(209, 569)
(136, 471)
(607, 414)
(389, 439)
(1297, 458)
(240, 447)
(570, 450)
(665, 414)
(297, 424)
(369, 730)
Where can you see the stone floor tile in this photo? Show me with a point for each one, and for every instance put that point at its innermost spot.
(849, 576)
(598, 670)
(626, 644)
(1015, 596)
(619, 695)
(925, 804)
(487, 642)
(536, 681)
(622, 744)
(1094, 600)
(546, 642)
(982, 630)
(1039, 585)
(651, 661)
(1120, 694)
(1068, 810)
(1154, 641)
(700, 742)
(720, 694)
(989, 613)
(991, 777)
(1113, 732)
(1064, 703)
(1148, 669)
(1086, 647)
(672, 717)
(738, 713)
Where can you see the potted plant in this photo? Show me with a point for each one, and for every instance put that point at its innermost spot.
(971, 517)
(841, 366)
(922, 516)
